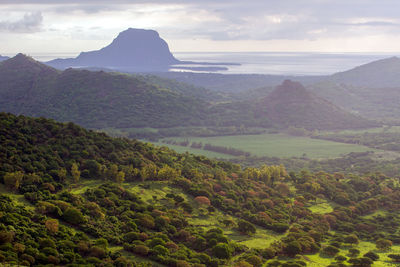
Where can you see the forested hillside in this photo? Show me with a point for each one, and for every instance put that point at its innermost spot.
(292, 105)
(92, 99)
(102, 100)
(94, 200)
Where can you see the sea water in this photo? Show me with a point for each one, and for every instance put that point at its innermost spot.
(279, 63)
(283, 63)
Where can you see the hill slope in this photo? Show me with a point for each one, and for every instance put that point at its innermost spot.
(378, 74)
(176, 209)
(290, 104)
(371, 90)
(133, 49)
(94, 99)
(101, 100)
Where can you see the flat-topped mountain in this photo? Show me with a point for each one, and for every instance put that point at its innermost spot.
(377, 74)
(133, 49)
(290, 104)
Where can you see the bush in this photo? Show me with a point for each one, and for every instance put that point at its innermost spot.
(160, 250)
(254, 260)
(340, 258)
(280, 227)
(246, 228)
(222, 251)
(292, 248)
(383, 244)
(353, 252)
(330, 251)
(141, 250)
(74, 216)
(395, 257)
(372, 255)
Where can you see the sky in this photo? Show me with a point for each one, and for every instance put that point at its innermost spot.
(72, 26)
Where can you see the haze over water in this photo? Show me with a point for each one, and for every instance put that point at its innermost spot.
(277, 63)
(283, 63)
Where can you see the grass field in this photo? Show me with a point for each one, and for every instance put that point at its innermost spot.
(321, 207)
(277, 145)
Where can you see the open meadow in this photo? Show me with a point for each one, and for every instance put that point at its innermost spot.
(273, 145)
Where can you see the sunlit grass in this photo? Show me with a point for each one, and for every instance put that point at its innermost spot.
(279, 145)
(321, 207)
(19, 199)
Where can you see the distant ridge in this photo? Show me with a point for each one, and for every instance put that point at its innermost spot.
(290, 104)
(376, 74)
(2, 58)
(101, 99)
(26, 64)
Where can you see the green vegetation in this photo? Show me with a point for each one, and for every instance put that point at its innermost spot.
(93, 99)
(101, 201)
(280, 145)
(101, 100)
(387, 138)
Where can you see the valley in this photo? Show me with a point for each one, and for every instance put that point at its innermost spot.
(109, 159)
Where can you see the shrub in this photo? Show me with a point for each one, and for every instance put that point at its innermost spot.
(222, 251)
(280, 227)
(372, 255)
(160, 250)
(330, 251)
(383, 244)
(74, 216)
(141, 250)
(202, 200)
(246, 227)
(395, 257)
(353, 252)
(351, 239)
(292, 248)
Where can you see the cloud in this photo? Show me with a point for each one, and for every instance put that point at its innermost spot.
(209, 19)
(31, 22)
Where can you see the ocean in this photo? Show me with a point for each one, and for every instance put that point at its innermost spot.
(284, 63)
(279, 63)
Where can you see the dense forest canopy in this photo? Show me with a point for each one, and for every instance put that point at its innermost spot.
(84, 194)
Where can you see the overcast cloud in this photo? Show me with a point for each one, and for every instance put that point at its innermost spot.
(321, 25)
(30, 22)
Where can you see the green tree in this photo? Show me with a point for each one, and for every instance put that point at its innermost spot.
(120, 178)
(13, 179)
(167, 173)
(351, 239)
(246, 227)
(112, 172)
(148, 172)
(74, 216)
(76, 174)
(292, 248)
(222, 251)
(383, 244)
